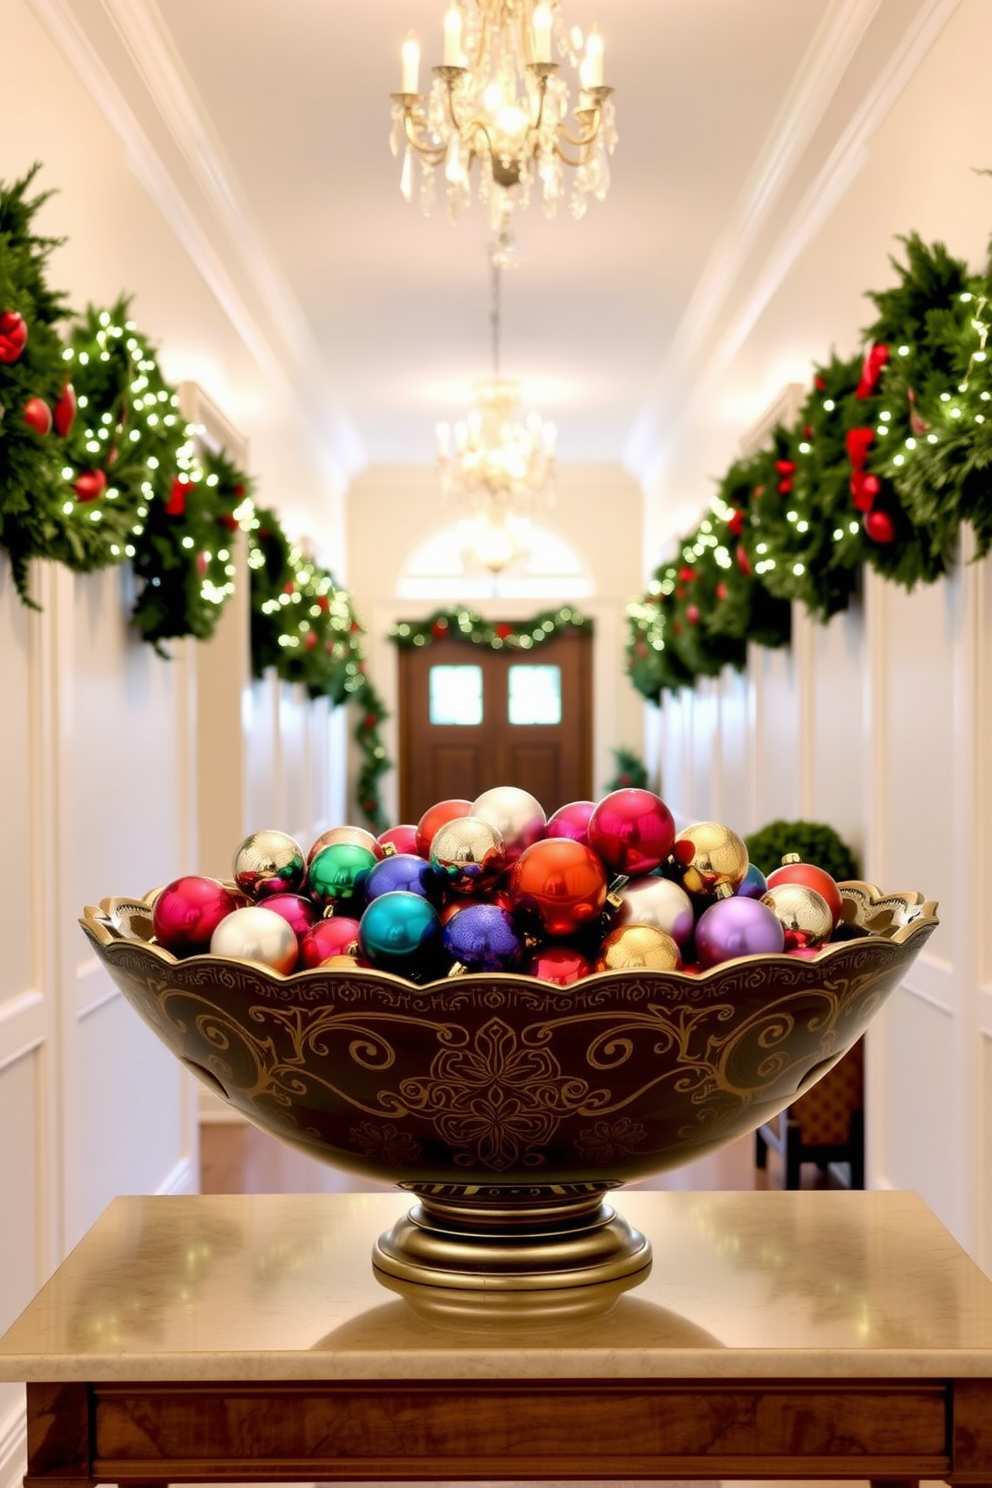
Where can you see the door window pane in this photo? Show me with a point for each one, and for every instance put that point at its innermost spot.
(535, 694)
(456, 695)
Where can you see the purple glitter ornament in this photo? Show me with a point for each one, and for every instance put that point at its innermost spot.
(737, 927)
(482, 937)
(754, 885)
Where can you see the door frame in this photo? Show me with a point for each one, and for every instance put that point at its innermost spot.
(618, 711)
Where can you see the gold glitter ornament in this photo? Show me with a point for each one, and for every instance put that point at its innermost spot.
(638, 948)
(805, 915)
(711, 860)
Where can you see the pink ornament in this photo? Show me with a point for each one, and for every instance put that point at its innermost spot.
(334, 937)
(188, 911)
(402, 839)
(737, 927)
(571, 821)
(632, 830)
(649, 900)
(298, 912)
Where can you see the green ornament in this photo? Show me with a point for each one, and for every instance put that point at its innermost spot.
(337, 874)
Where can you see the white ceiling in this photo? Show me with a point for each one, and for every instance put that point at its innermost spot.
(259, 128)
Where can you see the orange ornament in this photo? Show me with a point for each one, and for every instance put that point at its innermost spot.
(560, 884)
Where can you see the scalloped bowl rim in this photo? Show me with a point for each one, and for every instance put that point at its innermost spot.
(98, 920)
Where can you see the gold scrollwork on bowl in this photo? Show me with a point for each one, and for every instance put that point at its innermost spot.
(507, 1105)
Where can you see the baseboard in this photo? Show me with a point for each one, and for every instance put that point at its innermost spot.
(182, 1179)
(13, 1448)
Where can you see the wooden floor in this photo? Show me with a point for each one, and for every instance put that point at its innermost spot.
(238, 1158)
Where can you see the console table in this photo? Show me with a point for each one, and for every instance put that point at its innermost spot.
(807, 1334)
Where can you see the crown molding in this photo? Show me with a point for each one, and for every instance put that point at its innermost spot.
(282, 348)
(678, 387)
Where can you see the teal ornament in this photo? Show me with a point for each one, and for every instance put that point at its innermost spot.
(400, 932)
(336, 876)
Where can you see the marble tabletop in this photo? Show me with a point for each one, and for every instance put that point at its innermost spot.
(811, 1284)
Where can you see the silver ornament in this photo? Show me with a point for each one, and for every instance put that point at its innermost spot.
(650, 900)
(269, 862)
(256, 934)
(518, 817)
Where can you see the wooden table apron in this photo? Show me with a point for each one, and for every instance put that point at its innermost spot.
(895, 1430)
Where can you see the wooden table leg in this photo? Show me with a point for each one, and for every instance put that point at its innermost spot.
(59, 1441)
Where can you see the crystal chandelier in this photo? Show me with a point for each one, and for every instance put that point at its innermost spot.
(497, 464)
(500, 100)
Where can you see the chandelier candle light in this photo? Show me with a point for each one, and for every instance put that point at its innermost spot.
(499, 99)
(498, 462)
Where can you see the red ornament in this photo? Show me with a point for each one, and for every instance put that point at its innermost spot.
(785, 485)
(560, 884)
(180, 489)
(289, 587)
(202, 564)
(504, 631)
(864, 489)
(736, 523)
(743, 561)
(64, 412)
(434, 818)
(813, 878)
(560, 964)
(188, 911)
(820, 383)
(759, 491)
(439, 627)
(721, 590)
(785, 467)
(337, 936)
(879, 526)
(226, 520)
(692, 614)
(686, 574)
(807, 431)
(310, 639)
(13, 336)
(90, 485)
(402, 838)
(680, 591)
(876, 358)
(323, 603)
(632, 831)
(38, 416)
(858, 443)
(677, 626)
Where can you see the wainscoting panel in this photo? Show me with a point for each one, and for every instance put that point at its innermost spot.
(880, 724)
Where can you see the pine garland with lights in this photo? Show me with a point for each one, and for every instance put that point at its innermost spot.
(183, 554)
(469, 626)
(32, 378)
(891, 452)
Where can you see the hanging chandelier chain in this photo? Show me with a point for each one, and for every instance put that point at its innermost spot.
(495, 314)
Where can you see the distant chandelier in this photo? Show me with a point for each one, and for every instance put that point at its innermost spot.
(499, 99)
(497, 464)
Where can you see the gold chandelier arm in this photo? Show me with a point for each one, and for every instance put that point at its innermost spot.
(434, 153)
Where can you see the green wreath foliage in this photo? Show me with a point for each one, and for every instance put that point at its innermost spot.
(30, 461)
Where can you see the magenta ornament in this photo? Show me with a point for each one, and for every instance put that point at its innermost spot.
(572, 821)
(298, 912)
(188, 911)
(632, 830)
(337, 936)
(737, 927)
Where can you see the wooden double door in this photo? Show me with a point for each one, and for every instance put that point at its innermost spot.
(524, 719)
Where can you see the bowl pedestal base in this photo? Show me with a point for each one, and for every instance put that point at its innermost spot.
(492, 1239)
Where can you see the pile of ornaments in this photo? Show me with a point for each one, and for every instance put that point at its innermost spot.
(496, 885)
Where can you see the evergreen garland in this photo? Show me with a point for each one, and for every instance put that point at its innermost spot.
(32, 378)
(891, 452)
(467, 625)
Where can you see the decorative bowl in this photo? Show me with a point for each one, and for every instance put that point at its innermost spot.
(508, 1106)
